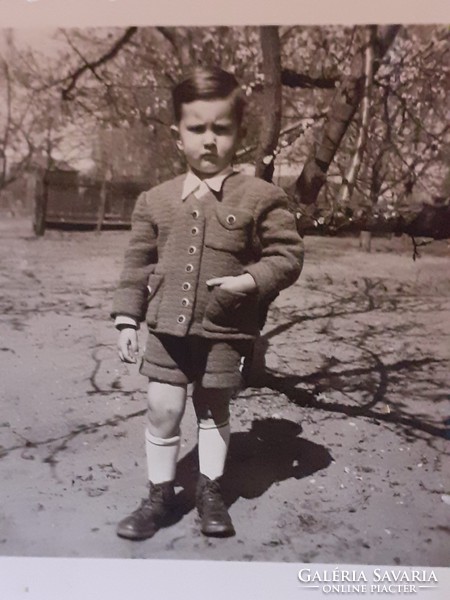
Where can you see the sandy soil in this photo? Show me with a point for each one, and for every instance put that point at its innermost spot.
(339, 453)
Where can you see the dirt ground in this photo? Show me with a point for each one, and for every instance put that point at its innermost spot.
(339, 453)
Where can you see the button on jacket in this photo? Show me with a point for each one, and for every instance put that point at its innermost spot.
(178, 244)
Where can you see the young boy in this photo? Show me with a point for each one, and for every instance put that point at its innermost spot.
(207, 249)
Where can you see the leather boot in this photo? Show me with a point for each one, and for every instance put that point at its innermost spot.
(154, 512)
(215, 520)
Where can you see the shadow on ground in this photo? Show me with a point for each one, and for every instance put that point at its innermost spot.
(271, 452)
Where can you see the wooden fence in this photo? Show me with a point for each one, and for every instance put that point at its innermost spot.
(64, 198)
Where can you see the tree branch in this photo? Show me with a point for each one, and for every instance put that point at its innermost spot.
(417, 245)
(289, 129)
(292, 79)
(170, 36)
(83, 58)
(91, 66)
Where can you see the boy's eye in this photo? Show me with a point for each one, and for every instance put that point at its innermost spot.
(217, 129)
(196, 128)
(222, 129)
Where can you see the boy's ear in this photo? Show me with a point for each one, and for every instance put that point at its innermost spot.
(176, 136)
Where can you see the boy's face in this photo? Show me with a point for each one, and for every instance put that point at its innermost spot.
(208, 135)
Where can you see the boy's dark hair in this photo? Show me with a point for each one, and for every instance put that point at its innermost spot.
(208, 83)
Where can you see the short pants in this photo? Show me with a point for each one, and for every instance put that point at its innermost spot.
(182, 360)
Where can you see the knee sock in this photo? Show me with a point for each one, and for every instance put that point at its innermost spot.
(162, 455)
(212, 448)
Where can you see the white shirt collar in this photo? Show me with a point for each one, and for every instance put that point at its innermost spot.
(200, 187)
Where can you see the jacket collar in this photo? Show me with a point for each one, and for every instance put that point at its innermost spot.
(193, 184)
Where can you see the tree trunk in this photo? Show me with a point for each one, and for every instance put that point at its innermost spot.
(255, 365)
(271, 126)
(348, 185)
(40, 204)
(341, 113)
(102, 206)
(365, 241)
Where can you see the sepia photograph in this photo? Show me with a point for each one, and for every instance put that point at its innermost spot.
(224, 307)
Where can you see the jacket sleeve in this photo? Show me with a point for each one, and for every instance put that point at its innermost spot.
(281, 247)
(130, 298)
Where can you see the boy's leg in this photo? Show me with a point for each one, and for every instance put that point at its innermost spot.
(213, 414)
(212, 410)
(166, 404)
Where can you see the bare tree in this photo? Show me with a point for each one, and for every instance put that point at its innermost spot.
(341, 113)
(321, 79)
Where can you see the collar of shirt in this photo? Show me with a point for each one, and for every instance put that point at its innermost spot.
(200, 187)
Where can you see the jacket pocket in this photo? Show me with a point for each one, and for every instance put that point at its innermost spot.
(229, 229)
(154, 298)
(231, 312)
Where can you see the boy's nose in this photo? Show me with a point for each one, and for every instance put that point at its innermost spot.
(209, 139)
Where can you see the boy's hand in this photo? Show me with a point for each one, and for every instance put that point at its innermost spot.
(241, 283)
(128, 345)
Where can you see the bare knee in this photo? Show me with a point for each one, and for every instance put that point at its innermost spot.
(166, 404)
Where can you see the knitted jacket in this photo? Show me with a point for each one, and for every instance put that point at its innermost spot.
(177, 245)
